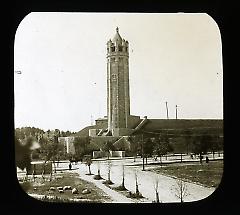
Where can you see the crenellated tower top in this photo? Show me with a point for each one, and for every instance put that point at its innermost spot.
(117, 45)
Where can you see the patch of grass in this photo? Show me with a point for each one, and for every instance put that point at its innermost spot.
(66, 179)
(56, 199)
(206, 174)
(120, 188)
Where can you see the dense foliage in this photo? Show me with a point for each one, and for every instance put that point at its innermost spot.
(146, 144)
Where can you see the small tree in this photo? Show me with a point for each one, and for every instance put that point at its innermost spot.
(156, 185)
(181, 189)
(49, 150)
(109, 170)
(187, 139)
(148, 147)
(215, 144)
(143, 152)
(135, 147)
(98, 165)
(98, 176)
(136, 180)
(108, 147)
(122, 186)
(162, 147)
(123, 177)
(82, 147)
(200, 144)
(109, 166)
(88, 162)
(137, 194)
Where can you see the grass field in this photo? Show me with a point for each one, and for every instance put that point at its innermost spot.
(206, 174)
(65, 179)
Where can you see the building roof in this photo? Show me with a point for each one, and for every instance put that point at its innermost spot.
(117, 38)
(159, 124)
(85, 131)
(102, 119)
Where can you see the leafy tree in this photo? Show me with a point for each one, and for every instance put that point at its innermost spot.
(36, 154)
(63, 134)
(82, 147)
(135, 148)
(49, 149)
(19, 134)
(162, 146)
(216, 144)
(148, 147)
(68, 133)
(219, 140)
(108, 147)
(25, 132)
(22, 155)
(201, 144)
(88, 162)
(187, 139)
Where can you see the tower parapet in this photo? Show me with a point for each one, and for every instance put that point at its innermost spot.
(117, 46)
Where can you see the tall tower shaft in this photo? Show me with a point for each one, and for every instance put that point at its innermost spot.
(118, 101)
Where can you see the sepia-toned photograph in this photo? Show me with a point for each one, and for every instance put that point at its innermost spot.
(118, 107)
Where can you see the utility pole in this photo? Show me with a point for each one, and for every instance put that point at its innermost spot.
(167, 109)
(176, 111)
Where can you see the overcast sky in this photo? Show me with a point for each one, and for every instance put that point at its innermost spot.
(62, 58)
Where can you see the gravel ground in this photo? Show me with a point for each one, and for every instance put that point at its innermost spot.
(167, 187)
(146, 181)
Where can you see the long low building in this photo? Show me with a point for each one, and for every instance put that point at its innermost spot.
(179, 126)
(210, 126)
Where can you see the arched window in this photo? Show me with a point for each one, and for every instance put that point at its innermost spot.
(114, 77)
(112, 59)
(113, 49)
(120, 48)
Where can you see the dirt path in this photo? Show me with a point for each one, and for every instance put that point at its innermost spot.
(115, 196)
(146, 179)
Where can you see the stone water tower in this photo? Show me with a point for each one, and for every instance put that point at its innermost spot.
(118, 101)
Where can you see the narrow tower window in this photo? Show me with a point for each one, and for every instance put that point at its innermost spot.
(112, 59)
(120, 48)
(113, 49)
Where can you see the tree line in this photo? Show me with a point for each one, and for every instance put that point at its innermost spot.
(144, 144)
(50, 149)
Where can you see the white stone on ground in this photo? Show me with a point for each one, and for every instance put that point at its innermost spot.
(74, 191)
(86, 191)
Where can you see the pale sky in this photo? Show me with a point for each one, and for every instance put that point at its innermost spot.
(62, 58)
